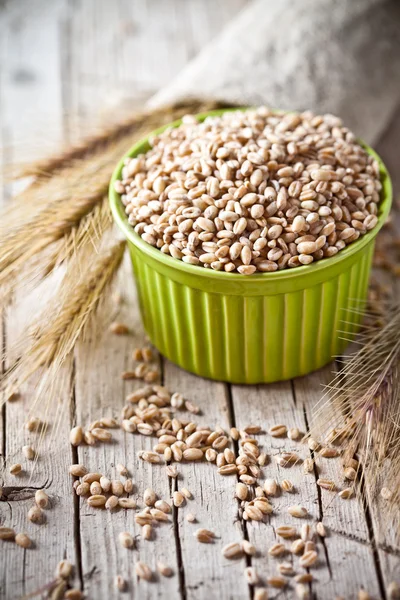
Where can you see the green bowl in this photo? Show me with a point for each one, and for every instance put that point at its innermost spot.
(250, 329)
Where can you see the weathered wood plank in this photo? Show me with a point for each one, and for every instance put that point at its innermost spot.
(100, 392)
(207, 574)
(345, 520)
(266, 406)
(29, 78)
(54, 538)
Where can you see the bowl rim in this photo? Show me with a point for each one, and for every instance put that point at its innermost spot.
(120, 217)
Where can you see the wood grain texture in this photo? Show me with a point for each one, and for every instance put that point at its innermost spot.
(287, 404)
(100, 392)
(62, 65)
(207, 574)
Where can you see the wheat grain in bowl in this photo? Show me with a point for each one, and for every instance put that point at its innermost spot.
(252, 191)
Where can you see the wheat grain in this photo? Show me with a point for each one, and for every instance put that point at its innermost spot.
(126, 540)
(143, 571)
(28, 452)
(277, 582)
(204, 536)
(308, 559)
(277, 550)
(297, 511)
(41, 499)
(7, 533)
(35, 514)
(164, 569)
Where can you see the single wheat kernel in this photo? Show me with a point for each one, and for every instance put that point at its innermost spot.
(204, 536)
(7, 533)
(248, 548)
(350, 473)
(193, 454)
(308, 465)
(147, 354)
(120, 583)
(297, 511)
(329, 452)
(143, 571)
(159, 515)
(23, 540)
(346, 493)
(147, 531)
(105, 484)
(187, 493)
(137, 354)
(261, 593)
(97, 501)
(126, 540)
(363, 595)
(164, 569)
(286, 568)
(235, 435)
(178, 499)
(251, 575)
(76, 436)
(320, 528)
(128, 426)
(117, 487)
(95, 488)
(41, 499)
(304, 578)
(277, 582)
(294, 433)
(34, 424)
(286, 531)
(119, 328)
(64, 569)
(35, 514)
(122, 470)
(253, 513)
(28, 452)
(127, 503)
(90, 477)
(287, 485)
(232, 550)
(149, 497)
(306, 532)
(313, 444)
(112, 502)
(270, 487)
(302, 592)
(15, 469)
(101, 434)
(308, 559)
(309, 546)
(191, 518)
(297, 547)
(163, 505)
(78, 470)
(277, 549)
(326, 484)
(278, 430)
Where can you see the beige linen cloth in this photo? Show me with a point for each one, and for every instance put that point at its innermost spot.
(337, 56)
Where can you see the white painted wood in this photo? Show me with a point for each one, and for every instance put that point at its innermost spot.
(62, 64)
(207, 573)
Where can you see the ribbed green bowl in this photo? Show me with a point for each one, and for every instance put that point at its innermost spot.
(250, 329)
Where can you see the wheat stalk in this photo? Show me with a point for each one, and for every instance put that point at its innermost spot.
(70, 186)
(128, 125)
(53, 336)
(361, 410)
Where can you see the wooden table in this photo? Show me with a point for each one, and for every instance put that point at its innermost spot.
(60, 64)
